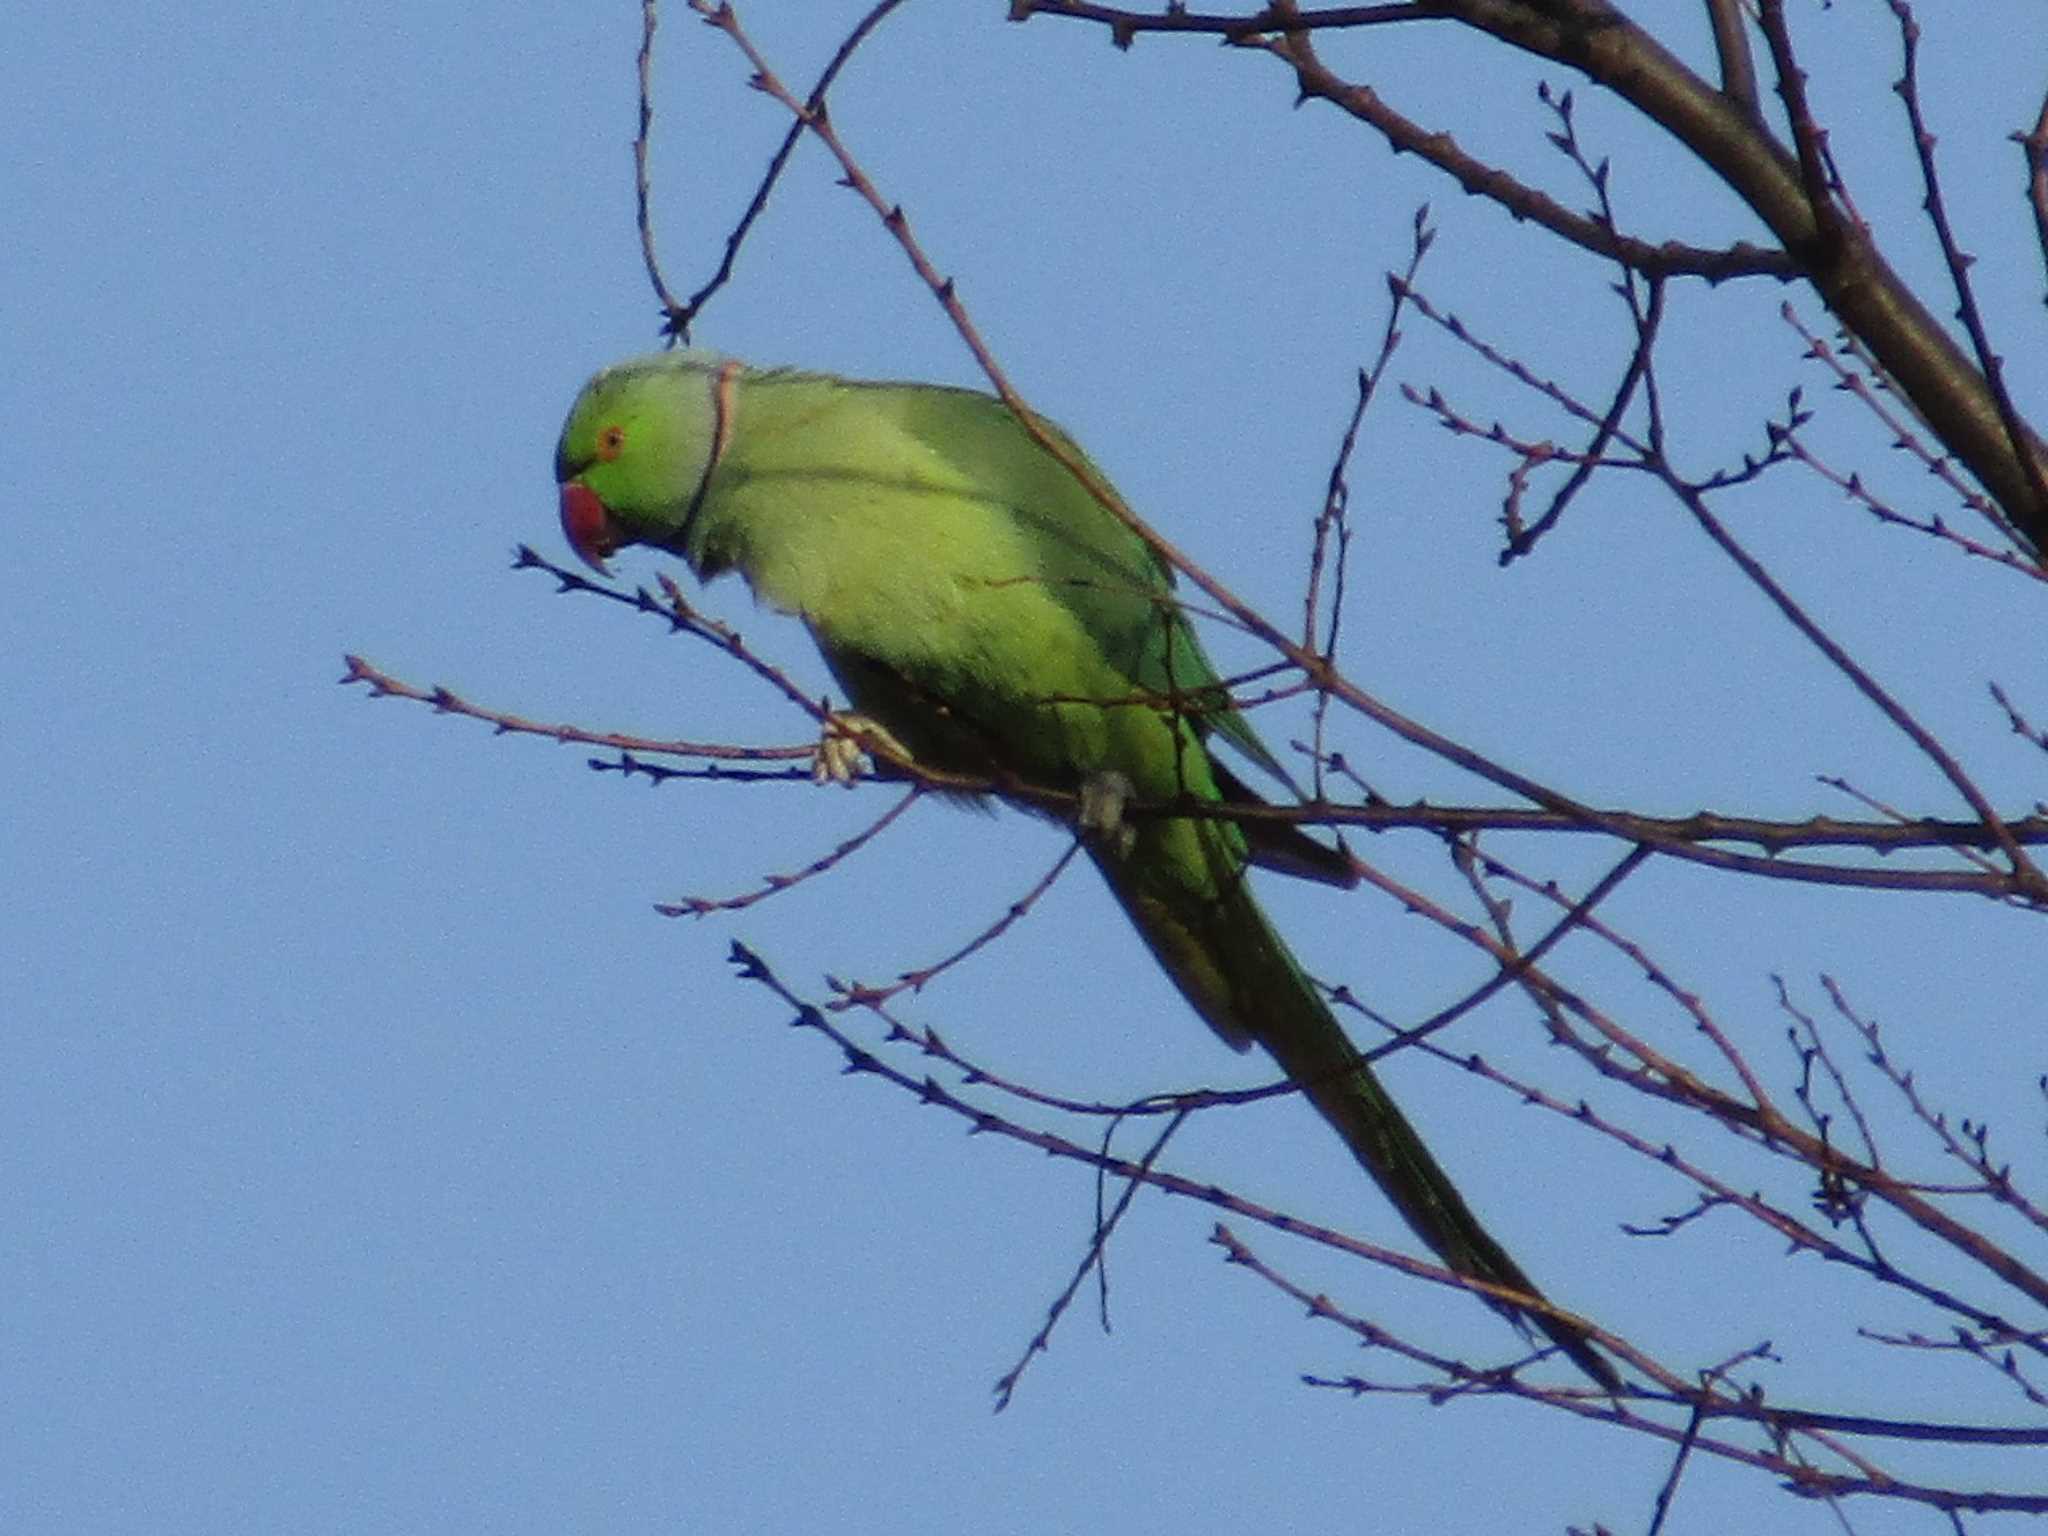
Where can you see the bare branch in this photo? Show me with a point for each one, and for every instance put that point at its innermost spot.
(445, 701)
(1731, 46)
(774, 885)
(680, 317)
(676, 321)
(1988, 361)
(1791, 193)
(1668, 259)
(2026, 880)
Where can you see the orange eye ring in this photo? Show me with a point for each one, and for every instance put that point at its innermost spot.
(611, 442)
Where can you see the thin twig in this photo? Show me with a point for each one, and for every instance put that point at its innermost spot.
(676, 320)
(774, 885)
(928, 1091)
(445, 701)
(858, 995)
(1731, 48)
(1094, 1259)
(1989, 363)
(2025, 879)
(680, 318)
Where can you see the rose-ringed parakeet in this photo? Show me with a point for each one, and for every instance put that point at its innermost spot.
(989, 614)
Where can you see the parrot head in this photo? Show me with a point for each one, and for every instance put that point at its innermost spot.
(637, 451)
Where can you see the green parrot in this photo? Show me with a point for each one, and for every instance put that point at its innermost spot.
(994, 619)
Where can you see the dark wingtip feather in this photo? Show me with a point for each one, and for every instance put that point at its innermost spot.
(1282, 846)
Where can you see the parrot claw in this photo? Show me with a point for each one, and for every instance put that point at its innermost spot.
(842, 744)
(1103, 798)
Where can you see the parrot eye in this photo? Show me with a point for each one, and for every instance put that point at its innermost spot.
(610, 443)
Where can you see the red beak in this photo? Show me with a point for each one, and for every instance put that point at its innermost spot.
(588, 527)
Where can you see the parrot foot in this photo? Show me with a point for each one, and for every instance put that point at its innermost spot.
(1103, 798)
(842, 744)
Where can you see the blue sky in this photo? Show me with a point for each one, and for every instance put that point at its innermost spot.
(376, 1159)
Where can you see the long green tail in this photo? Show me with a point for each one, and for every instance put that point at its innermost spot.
(1226, 959)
